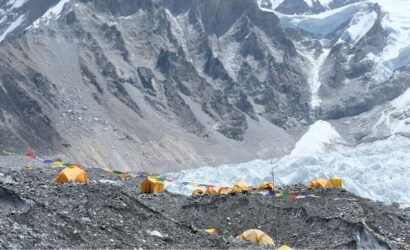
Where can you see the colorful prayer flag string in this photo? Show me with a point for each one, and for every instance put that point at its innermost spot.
(126, 175)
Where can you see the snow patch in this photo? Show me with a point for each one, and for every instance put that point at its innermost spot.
(12, 27)
(269, 4)
(314, 76)
(16, 3)
(53, 12)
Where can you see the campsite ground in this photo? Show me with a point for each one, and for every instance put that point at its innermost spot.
(109, 213)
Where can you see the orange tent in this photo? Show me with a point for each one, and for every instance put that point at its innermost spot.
(265, 186)
(72, 174)
(152, 185)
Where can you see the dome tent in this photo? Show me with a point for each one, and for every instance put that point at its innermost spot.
(72, 174)
(152, 185)
(257, 236)
(266, 186)
(241, 187)
(323, 183)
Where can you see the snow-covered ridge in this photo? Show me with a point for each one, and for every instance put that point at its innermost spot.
(327, 22)
(53, 12)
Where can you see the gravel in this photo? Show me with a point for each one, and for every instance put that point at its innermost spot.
(109, 213)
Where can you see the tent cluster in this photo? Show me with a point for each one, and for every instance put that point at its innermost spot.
(323, 183)
(237, 188)
(152, 185)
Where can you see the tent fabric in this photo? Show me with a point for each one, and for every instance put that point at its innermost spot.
(212, 190)
(212, 231)
(265, 186)
(336, 182)
(323, 183)
(285, 247)
(152, 185)
(197, 192)
(224, 191)
(72, 174)
(240, 187)
(256, 236)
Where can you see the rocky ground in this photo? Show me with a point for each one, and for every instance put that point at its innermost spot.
(109, 213)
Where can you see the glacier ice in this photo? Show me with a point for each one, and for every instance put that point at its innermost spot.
(376, 170)
(324, 23)
(360, 24)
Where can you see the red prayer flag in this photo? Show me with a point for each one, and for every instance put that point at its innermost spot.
(30, 155)
(292, 196)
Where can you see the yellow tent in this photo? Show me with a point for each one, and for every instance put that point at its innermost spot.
(152, 185)
(212, 190)
(319, 183)
(256, 236)
(336, 182)
(72, 174)
(323, 183)
(197, 192)
(284, 247)
(224, 190)
(240, 187)
(265, 186)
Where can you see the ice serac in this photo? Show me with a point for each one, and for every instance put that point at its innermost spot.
(316, 140)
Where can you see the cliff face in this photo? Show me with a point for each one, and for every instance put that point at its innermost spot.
(178, 84)
(153, 82)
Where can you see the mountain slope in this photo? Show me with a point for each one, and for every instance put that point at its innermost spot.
(155, 83)
(180, 84)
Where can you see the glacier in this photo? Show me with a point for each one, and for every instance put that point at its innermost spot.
(324, 23)
(376, 170)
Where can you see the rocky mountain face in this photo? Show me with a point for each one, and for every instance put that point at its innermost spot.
(152, 77)
(180, 83)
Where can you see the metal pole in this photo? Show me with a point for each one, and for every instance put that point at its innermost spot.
(274, 202)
